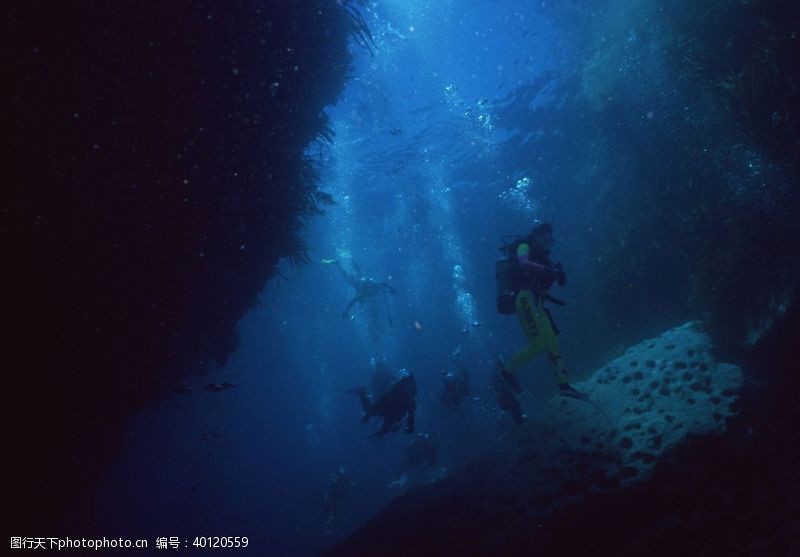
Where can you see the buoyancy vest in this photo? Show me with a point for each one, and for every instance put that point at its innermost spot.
(509, 276)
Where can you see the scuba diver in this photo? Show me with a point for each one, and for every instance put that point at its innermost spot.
(455, 382)
(421, 451)
(337, 491)
(523, 280)
(400, 400)
(366, 288)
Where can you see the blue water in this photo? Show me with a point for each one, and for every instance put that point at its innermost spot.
(437, 154)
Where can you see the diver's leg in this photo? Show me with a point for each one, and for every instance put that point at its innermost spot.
(526, 308)
(523, 356)
(359, 274)
(552, 321)
(346, 312)
(352, 280)
(525, 304)
(548, 334)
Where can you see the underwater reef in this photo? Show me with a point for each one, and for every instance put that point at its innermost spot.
(661, 464)
(157, 176)
(644, 403)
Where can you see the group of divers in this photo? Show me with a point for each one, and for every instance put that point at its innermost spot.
(524, 276)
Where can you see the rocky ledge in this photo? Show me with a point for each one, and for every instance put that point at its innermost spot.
(660, 463)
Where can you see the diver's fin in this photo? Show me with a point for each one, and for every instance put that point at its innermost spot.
(568, 390)
(509, 379)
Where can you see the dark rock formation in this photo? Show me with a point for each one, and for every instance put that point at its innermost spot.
(731, 494)
(156, 177)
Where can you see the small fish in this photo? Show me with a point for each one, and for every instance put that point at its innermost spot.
(217, 387)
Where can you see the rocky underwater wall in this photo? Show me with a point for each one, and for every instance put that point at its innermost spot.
(156, 176)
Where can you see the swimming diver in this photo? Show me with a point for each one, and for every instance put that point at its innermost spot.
(535, 275)
(398, 402)
(365, 287)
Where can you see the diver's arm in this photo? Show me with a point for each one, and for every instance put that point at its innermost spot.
(527, 265)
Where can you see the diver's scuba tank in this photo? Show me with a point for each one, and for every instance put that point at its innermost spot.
(507, 278)
(506, 271)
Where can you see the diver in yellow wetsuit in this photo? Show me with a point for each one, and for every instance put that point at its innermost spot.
(536, 275)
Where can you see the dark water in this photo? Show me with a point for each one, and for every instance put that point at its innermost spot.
(660, 139)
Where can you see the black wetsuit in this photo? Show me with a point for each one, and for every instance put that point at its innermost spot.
(395, 404)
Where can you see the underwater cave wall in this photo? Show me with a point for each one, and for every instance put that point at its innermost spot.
(157, 175)
(717, 126)
(680, 123)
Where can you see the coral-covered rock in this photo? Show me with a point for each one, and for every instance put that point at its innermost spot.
(578, 480)
(643, 404)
